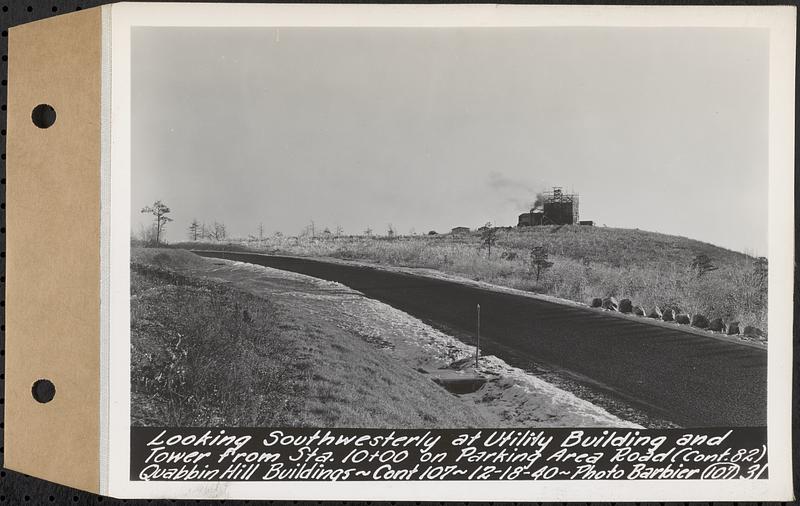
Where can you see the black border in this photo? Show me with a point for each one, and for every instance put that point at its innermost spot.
(17, 488)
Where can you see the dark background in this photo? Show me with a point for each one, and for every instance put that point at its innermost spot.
(16, 488)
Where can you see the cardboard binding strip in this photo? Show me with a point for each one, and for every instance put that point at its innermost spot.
(53, 250)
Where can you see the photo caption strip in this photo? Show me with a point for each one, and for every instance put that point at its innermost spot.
(287, 454)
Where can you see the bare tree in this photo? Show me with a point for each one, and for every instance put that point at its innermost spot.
(309, 230)
(488, 238)
(218, 232)
(339, 231)
(194, 230)
(761, 271)
(260, 232)
(760, 277)
(368, 232)
(390, 232)
(539, 261)
(159, 212)
(147, 233)
(702, 264)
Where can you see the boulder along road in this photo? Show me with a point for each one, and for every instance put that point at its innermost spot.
(689, 379)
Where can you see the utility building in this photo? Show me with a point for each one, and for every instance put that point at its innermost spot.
(534, 217)
(557, 208)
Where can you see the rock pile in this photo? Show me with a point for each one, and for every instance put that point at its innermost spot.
(697, 320)
(751, 331)
(700, 321)
(717, 325)
(611, 304)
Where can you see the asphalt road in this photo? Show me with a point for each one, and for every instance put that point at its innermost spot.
(691, 380)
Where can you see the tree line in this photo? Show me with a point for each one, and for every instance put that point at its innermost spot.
(217, 231)
(197, 231)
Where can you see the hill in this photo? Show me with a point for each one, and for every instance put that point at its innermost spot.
(619, 246)
(649, 268)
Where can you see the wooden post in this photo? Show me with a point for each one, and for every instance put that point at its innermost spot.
(478, 343)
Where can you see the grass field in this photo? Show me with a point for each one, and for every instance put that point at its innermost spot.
(649, 268)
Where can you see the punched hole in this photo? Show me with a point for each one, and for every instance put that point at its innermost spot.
(43, 390)
(43, 116)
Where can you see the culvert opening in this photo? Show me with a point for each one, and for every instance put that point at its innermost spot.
(459, 386)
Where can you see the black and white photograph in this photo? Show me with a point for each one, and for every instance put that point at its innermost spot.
(420, 230)
(326, 222)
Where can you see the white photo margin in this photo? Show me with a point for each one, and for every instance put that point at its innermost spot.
(779, 20)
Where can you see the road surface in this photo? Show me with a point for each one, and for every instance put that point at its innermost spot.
(691, 380)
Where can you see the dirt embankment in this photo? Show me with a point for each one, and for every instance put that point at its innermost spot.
(356, 362)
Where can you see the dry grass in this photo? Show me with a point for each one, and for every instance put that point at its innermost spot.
(649, 268)
(203, 354)
(353, 383)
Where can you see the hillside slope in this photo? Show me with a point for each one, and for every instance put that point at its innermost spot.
(649, 268)
(618, 246)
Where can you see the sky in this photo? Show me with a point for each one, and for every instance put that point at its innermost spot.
(661, 129)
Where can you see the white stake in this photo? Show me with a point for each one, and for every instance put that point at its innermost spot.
(478, 343)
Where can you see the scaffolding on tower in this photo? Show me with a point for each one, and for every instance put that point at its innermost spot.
(561, 208)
